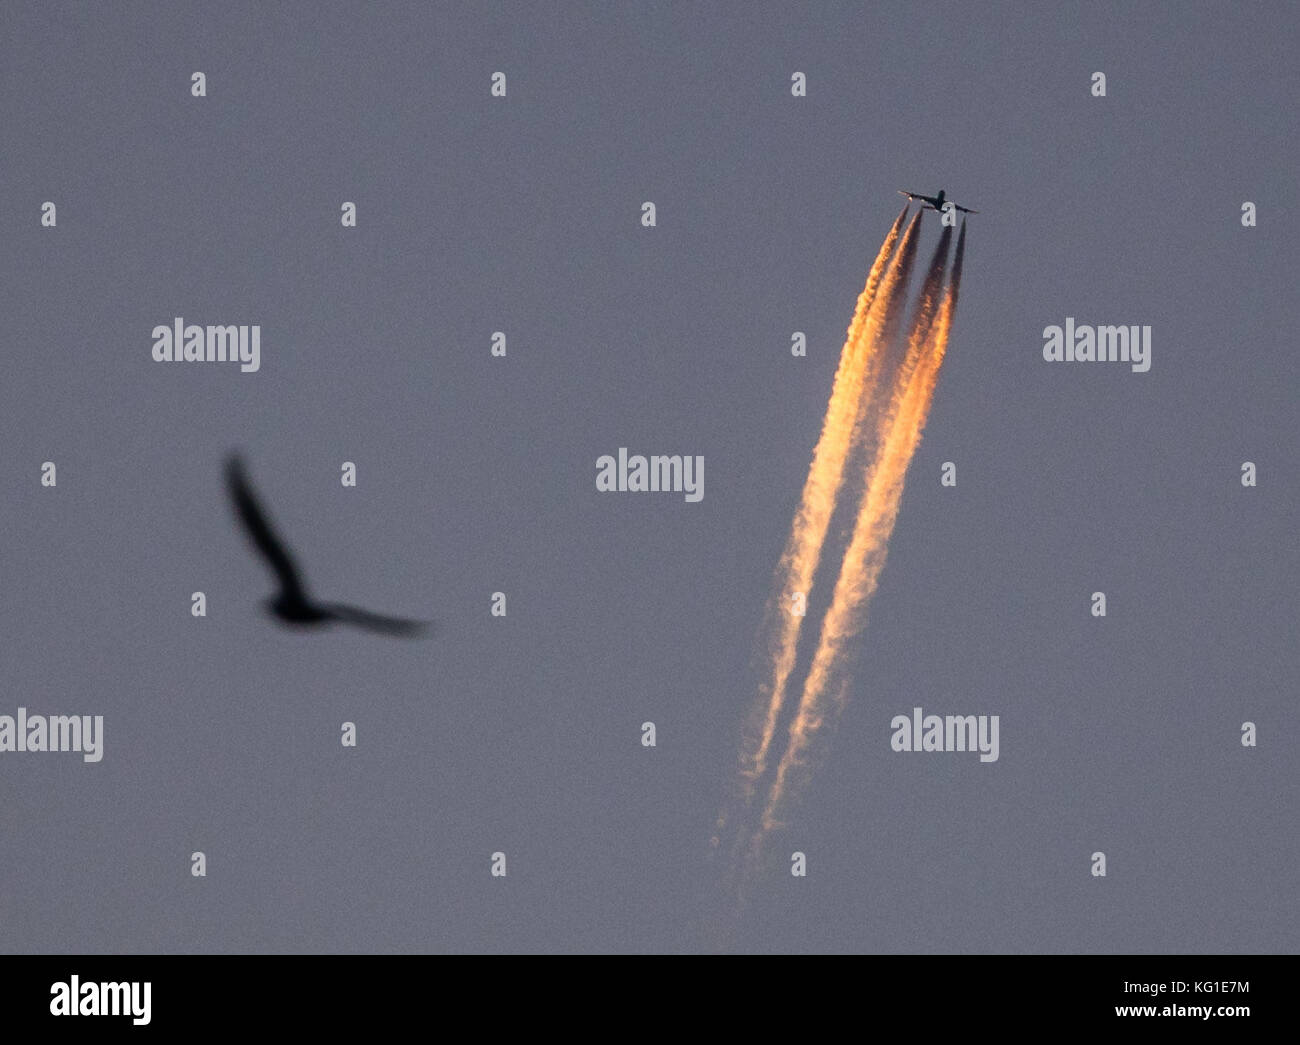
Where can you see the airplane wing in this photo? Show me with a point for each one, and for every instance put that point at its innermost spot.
(965, 210)
(918, 196)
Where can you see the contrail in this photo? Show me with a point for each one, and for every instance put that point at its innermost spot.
(799, 561)
(876, 412)
(863, 561)
(927, 309)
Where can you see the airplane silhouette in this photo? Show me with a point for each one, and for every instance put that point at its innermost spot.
(935, 202)
(292, 605)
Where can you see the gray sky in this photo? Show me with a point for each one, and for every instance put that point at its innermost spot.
(477, 474)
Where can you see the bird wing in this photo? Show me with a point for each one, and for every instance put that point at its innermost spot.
(259, 529)
(401, 626)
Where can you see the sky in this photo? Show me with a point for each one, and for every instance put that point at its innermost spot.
(476, 474)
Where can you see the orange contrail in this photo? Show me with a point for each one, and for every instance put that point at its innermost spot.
(799, 561)
(927, 308)
(858, 369)
(865, 557)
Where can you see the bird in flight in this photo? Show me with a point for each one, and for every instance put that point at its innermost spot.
(292, 605)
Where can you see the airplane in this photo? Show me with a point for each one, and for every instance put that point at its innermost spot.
(935, 202)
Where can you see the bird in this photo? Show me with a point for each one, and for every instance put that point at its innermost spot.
(292, 605)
